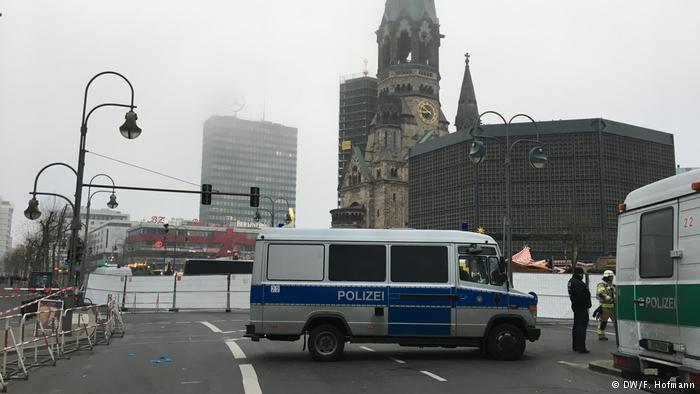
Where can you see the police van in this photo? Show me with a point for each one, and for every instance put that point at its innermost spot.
(658, 278)
(409, 287)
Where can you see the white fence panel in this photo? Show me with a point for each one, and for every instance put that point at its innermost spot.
(99, 286)
(209, 292)
(149, 292)
(201, 292)
(552, 292)
(240, 291)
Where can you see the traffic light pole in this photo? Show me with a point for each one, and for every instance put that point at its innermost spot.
(153, 189)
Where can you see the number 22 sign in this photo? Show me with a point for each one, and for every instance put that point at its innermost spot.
(688, 222)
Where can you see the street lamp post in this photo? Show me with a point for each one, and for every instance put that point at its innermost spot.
(536, 157)
(112, 203)
(287, 217)
(128, 129)
(258, 217)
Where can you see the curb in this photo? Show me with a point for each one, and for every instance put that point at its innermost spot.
(605, 367)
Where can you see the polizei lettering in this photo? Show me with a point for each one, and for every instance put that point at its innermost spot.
(660, 302)
(360, 295)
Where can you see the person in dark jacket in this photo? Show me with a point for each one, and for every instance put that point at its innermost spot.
(580, 298)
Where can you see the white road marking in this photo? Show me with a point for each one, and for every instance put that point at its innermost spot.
(192, 382)
(241, 330)
(228, 332)
(608, 333)
(219, 321)
(366, 348)
(571, 364)
(235, 350)
(250, 379)
(432, 375)
(397, 360)
(211, 326)
(183, 322)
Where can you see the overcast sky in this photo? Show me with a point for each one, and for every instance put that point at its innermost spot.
(631, 61)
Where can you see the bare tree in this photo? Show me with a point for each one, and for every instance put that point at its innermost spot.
(42, 243)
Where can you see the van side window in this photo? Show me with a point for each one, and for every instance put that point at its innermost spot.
(480, 269)
(357, 263)
(295, 262)
(656, 243)
(419, 264)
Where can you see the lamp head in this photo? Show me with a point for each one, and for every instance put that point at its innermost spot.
(537, 158)
(112, 201)
(129, 129)
(477, 152)
(257, 216)
(32, 212)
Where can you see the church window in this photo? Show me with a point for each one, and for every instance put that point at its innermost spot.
(379, 173)
(393, 197)
(404, 48)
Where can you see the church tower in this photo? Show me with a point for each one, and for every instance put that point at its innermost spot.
(374, 190)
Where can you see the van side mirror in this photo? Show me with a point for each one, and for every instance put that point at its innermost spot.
(502, 278)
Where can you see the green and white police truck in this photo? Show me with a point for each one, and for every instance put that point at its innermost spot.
(658, 279)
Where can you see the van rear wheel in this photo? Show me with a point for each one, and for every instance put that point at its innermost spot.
(506, 342)
(326, 343)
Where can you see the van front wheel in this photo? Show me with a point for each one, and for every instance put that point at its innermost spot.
(326, 343)
(506, 342)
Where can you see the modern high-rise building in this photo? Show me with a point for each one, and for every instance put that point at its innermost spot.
(238, 154)
(592, 165)
(6, 210)
(358, 104)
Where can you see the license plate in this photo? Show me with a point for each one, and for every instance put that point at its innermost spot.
(659, 346)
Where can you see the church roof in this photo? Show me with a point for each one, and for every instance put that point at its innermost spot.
(467, 110)
(416, 10)
(364, 168)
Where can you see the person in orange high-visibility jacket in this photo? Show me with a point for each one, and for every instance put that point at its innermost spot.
(605, 293)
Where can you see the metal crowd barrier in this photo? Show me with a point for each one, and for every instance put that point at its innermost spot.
(53, 332)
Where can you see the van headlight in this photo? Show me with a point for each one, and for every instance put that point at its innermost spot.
(533, 310)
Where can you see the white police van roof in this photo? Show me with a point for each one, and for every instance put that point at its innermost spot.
(345, 234)
(662, 190)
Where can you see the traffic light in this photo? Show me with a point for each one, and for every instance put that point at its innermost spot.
(206, 194)
(79, 250)
(254, 197)
(166, 228)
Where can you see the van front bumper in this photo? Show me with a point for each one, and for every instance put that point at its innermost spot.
(533, 334)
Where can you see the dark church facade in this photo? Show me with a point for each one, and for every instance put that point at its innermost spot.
(373, 191)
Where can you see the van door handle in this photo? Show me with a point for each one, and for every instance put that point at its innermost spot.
(639, 301)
